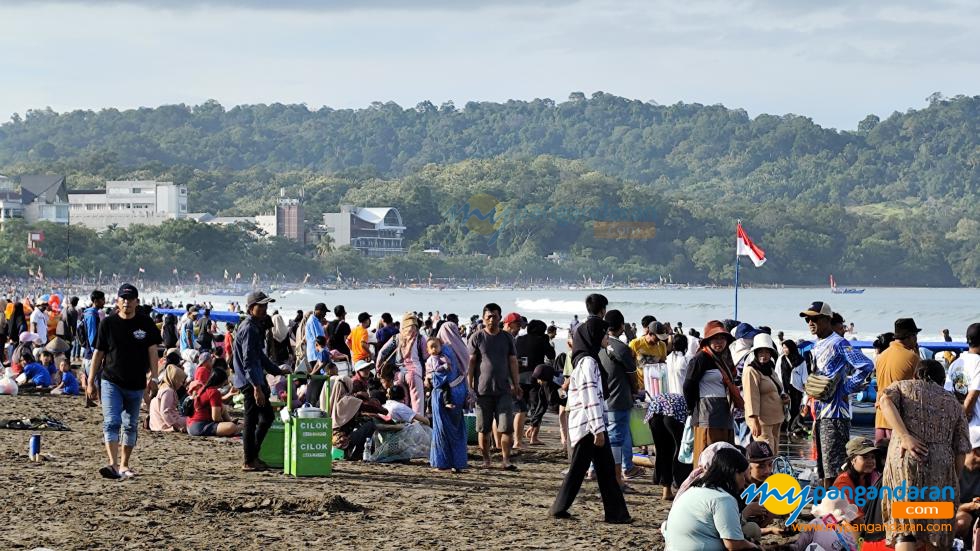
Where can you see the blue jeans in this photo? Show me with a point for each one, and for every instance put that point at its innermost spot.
(620, 438)
(120, 409)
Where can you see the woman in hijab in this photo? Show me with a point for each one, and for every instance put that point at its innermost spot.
(709, 389)
(164, 411)
(17, 323)
(411, 347)
(448, 449)
(169, 331)
(3, 330)
(587, 428)
(792, 373)
(764, 397)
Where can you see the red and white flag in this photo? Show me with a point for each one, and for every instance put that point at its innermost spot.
(747, 248)
(142, 271)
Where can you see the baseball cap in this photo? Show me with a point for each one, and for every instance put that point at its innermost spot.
(257, 297)
(512, 317)
(758, 452)
(973, 334)
(128, 291)
(818, 308)
(859, 445)
(658, 329)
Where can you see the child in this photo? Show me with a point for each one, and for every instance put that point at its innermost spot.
(398, 412)
(34, 374)
(69, 385)
(538, 400)
(47, 360)
(438, 362)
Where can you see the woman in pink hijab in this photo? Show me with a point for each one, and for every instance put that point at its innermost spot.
(413, 354)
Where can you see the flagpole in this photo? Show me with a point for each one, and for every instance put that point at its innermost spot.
(739, 223)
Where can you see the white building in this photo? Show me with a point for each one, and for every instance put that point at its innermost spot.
(375, 231)
(41, 198)
(128, 202)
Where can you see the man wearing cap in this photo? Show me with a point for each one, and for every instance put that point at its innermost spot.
(849, 369)
(512, 324)
(649, 349)
(126, 349)
(251, 364)
(619, 364)
(859, 469)
(969, 364)
(39, 320)
(493, 373)
(896, 363)
(760, 455)
(186, 329)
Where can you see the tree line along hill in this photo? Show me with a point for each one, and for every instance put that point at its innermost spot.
(891, 203)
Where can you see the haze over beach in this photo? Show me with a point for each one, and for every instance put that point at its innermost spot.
(394, 273)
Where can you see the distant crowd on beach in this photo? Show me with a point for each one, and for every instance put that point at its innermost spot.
(709, 408)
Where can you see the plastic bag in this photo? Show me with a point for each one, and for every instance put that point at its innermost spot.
(8, 386)
(412, 442)
(686, 455)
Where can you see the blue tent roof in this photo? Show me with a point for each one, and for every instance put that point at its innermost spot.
(224, 317)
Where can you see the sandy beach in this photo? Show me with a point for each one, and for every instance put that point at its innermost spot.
(190, 494)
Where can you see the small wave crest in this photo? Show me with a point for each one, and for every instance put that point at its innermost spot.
(547, 305)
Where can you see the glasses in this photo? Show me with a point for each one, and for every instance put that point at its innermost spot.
(812, 319)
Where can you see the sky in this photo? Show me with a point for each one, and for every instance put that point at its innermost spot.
(832, 60)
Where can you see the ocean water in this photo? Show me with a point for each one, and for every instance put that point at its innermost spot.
(872, 313)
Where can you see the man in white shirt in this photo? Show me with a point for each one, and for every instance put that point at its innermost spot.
(39, 321)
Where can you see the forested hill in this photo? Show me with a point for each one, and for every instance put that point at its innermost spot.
(932, 152)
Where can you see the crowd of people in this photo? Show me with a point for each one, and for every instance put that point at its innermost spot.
(718, 402)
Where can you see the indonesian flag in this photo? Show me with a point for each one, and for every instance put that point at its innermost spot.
(142, 271)
(747, 248)
(175, 271)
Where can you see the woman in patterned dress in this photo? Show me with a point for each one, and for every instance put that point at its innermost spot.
(929, 440)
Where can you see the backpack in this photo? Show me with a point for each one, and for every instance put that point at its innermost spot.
(186, 406)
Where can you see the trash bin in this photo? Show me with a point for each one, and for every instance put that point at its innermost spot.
(271, 452)
(307, 441)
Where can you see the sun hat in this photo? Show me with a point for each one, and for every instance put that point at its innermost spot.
(905, 328)
(713, 328)
(762, 341)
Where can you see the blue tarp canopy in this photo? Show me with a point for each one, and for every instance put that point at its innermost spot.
(224, 317)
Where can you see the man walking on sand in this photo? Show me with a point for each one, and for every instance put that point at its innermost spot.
(493, 373)
(251, 364)
(127, 349)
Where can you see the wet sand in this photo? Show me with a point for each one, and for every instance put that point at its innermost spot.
(191, 494)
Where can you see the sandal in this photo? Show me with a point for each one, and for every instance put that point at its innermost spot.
(110, 472)
(511, 467)
(126, 475)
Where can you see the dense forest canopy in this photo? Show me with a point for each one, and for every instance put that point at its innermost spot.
(890, 203)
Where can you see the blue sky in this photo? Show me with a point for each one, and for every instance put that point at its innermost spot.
(832, 60)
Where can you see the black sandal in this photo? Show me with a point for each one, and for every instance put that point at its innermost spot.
(110, 472)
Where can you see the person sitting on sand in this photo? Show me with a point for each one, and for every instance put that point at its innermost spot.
(164, 411)
(203, 372)
(209, 417)
(398, 412)
(706, 515)
(47, 360)
(34, 374)
(69, 385)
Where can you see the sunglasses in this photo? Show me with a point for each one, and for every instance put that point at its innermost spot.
(812, 319)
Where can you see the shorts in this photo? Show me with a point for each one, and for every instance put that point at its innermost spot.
(831, 439)
(495, 408)
(523, 405)
(202, 428)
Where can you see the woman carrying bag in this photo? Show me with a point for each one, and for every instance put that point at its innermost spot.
(709, 391)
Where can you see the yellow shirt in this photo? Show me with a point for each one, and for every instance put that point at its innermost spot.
(896, 363)
(358, 336)
(646, 353)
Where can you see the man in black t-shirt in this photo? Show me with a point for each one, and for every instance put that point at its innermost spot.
(125, 350)
(338, 331)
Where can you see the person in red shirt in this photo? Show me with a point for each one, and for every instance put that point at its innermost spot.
(209, 410)
(203, 372)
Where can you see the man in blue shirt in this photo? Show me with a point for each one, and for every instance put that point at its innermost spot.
(314, 329)
(251, 364)
(88, 334)
(834, 358)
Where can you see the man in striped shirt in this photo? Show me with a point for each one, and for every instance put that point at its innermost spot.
(587, 421)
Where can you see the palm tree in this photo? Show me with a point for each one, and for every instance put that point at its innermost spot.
(325, 245)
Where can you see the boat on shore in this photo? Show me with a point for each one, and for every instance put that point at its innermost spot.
(843, 291)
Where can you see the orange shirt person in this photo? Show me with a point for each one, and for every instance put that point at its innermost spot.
(359, 347)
